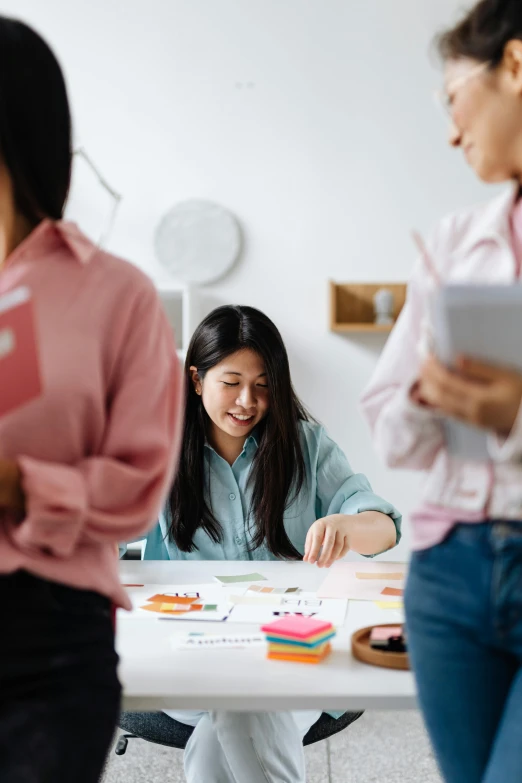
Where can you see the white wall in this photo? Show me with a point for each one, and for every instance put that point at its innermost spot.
(312, 120)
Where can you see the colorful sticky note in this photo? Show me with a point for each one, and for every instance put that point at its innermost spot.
(392, 591)
(286, 649)
(166, 598)
(176, 605)
(389, 604)
(272, 590)
(300, 658)
(234, 579)
(297, 627)
(167, 608)
(311, 643)
(381, 577)
(384, 632)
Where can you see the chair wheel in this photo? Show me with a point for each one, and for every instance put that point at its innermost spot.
(121, 746)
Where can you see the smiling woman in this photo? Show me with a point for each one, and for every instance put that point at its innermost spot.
(238, 380)
(235, 396)
(483, 88)
(259, 479)
(463, 598)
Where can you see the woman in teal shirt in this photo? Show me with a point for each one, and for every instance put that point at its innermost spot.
(258, 479)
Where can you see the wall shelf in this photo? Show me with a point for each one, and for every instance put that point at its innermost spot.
(351, 307)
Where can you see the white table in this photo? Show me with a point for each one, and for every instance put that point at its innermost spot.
(155, 676)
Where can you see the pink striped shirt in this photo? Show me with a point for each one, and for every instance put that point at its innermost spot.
(97, 449)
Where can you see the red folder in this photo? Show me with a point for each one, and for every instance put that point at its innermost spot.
(20, 378)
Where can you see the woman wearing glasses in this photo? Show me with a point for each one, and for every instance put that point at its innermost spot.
(88, 462)
(464, 595)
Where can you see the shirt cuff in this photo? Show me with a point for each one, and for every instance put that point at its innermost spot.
(502, 449)
(415, 411)
(56, 503)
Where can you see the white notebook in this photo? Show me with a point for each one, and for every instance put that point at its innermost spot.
(483, 322)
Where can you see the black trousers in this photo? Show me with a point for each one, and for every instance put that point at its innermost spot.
(59, 690)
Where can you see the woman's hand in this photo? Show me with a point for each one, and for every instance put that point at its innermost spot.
(330, 536)
(480, 394)
(367, 533)
(11, 492)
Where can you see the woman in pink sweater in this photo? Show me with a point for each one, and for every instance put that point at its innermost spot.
(464, 594)
(85, 465)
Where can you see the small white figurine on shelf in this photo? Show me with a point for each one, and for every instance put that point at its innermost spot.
(383, 307)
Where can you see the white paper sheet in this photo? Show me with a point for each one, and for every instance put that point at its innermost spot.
(341, 581)
(333, 611)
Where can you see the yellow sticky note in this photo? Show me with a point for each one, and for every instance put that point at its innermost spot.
(389, 604)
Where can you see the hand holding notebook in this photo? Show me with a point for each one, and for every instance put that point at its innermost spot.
(20, 380)
(482, 322)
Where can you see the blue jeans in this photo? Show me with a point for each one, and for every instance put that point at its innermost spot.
(464, 621)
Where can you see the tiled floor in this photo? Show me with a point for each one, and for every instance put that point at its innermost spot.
(380, 746)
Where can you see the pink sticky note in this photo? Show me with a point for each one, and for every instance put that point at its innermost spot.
(383, 633)
(297, 627)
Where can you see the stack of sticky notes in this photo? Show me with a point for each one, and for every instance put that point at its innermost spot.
(298, 638)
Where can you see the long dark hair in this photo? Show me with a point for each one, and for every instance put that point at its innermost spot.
(484, 31)
(278, 470)
(35, 122)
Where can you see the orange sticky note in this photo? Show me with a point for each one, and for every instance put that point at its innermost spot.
(300, 658)
(166, 598)
(392, 591)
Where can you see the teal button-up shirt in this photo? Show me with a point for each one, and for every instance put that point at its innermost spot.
(331, 488)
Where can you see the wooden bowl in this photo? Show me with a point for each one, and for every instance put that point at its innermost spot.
(363, 652)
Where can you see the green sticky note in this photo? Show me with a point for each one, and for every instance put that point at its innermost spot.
(210, 608)
(230, 580)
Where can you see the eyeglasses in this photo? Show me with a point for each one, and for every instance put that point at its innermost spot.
(446, 97)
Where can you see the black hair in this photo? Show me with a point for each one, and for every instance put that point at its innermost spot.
(35, 122)
(482, 34)
(278, 469)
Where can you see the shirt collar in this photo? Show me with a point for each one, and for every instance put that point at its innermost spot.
(45, 237)
(81, 246)
(494, 221)
(252, 440)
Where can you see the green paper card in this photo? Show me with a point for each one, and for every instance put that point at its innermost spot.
(231, 580)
